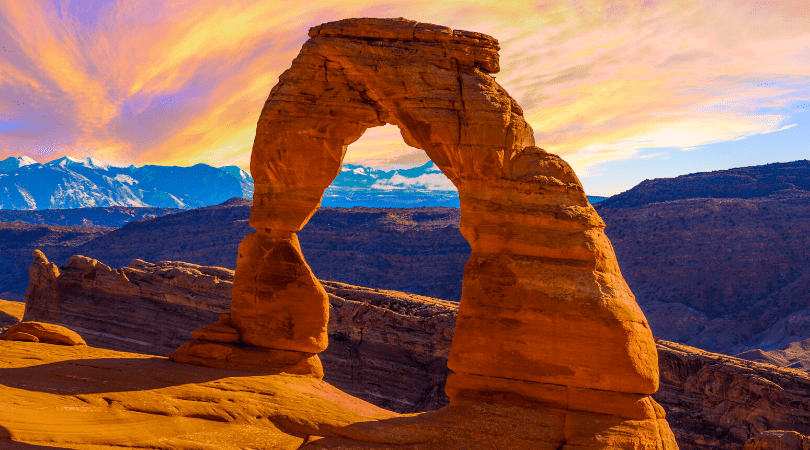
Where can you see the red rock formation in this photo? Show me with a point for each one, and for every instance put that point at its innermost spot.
(138, 308)
(153, 308)
(391, 349)
(717, 401)
(43, 332)
(545, 319)
(778, 440)
(10, 313)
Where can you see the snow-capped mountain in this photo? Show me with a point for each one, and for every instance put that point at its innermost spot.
(11, 164)
(245, 180)
(77, 183)
(425, 185)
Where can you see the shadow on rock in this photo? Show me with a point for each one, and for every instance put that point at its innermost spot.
(7, 444)
(102, 375)
(7, 320)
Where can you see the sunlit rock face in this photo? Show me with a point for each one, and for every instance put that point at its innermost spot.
(546, 322)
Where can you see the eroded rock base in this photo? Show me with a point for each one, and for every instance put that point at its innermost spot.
(85, 398)
(218, 345)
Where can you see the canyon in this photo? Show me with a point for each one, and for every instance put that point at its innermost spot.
(712, 400)
(718, 260)
(723, 274)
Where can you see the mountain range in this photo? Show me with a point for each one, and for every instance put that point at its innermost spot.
(69, 183)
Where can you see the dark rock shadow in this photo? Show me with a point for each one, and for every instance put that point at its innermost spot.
(102, 375)
(7, 444)
(7, 320)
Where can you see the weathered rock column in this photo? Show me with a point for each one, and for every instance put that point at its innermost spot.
(546, 317)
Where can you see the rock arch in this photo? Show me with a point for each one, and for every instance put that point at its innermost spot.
(430, 81)
(545, 319)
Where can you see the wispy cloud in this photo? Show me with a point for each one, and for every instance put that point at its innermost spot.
(184, 82)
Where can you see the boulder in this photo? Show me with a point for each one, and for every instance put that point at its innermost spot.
(43, 332)
(20, 336)
(778, 440)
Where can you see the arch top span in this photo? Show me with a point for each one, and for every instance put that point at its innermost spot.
(430, 81)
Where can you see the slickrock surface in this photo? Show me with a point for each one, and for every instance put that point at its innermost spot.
(542, 278)
(719, 260)
(715, 401)
(90, 399)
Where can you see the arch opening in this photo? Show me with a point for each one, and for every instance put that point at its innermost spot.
(393, 245)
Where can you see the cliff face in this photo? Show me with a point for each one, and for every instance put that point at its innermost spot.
(718, 260)
(138, 308)
(153, 308)
(391, 348)
(715, 401)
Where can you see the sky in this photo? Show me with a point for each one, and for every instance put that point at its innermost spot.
(622, 90)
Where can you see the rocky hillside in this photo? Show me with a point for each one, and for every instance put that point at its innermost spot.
(719, 260)
(417, 250)
(106, 216)
(743, 182)
(18, 240)
(390, 348)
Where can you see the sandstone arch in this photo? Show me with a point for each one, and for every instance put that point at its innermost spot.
(545, 319)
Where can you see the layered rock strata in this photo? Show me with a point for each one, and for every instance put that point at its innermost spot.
(139, 308)
(570, 341)
(153, 308)
(717, 401)
(391, 349)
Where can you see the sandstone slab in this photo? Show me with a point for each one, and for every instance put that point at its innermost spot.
(44, 332)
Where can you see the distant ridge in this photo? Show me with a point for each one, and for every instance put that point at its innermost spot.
(743, 182)
(718, 260)
(105, 216)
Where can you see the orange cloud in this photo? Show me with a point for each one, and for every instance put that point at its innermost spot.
(184, 82)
